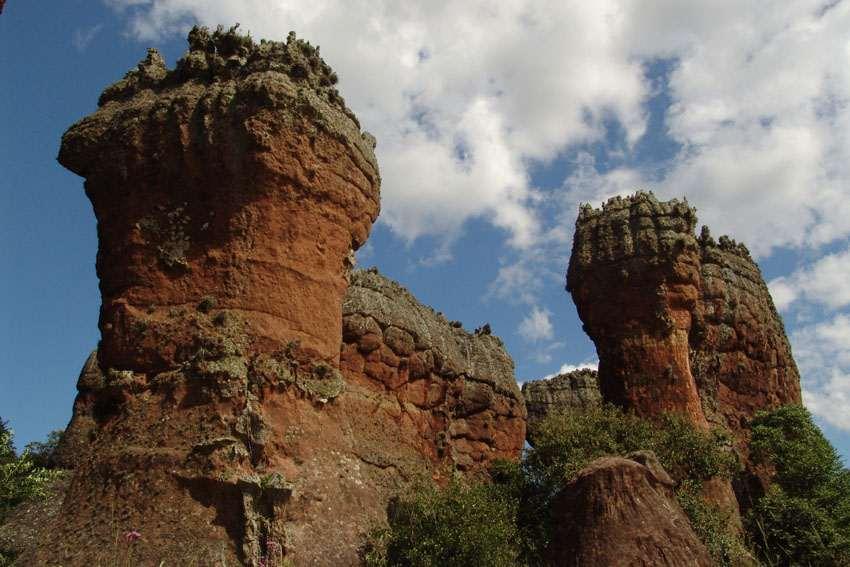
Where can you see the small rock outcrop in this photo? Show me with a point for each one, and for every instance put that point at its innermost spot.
(571, 392)
(681, 323)
(622, 511)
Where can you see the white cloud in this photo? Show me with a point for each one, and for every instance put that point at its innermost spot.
(830, 399)
(568, 367)
(826, 281)
(822, 351)
(82, 37)
(783, 291)
(464, 96)
(536, 326)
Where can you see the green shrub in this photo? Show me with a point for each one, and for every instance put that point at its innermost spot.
(804, 519)
(711, 524)
(461, 525)
(565, 443)
(509, 521)
(20, 478)
(43, 452)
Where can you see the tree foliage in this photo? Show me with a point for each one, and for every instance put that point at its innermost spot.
(20, 477)
(804, 518)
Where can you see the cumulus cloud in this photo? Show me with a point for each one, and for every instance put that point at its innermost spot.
(761, 105)
(824, 282)
(465, 96)
(822, 351)
(536, 326)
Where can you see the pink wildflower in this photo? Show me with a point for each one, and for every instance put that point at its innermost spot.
(273, 547)
(132, 536)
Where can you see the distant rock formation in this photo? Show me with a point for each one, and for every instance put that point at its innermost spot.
(634, 276)
(622, 511)
(740, 357)
(681, 323)
(574, 391)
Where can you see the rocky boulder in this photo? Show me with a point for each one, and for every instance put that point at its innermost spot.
(622, 511)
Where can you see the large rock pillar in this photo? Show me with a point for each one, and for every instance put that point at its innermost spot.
(230, 194)
(634, 277)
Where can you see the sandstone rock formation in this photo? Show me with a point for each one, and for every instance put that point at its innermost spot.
(456, 390)
(634, 277)
(215, 419)
(740, 357)
(574, 391)
(622, 511)
(681, 324)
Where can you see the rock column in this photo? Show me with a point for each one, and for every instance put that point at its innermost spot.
(634, 276)
(230, 194)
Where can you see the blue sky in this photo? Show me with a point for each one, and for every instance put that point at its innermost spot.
(494, 120)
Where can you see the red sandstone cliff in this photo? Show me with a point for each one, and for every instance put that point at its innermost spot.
(681, 324)
(215, 418)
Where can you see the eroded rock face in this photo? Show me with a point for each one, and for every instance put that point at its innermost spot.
(740, 356)
(681, 324)
(230, 194)
(238, 181)
(575, 391)
(215, 417)
(622, 511)
(417, 398)
(634, 275)
(459, 399)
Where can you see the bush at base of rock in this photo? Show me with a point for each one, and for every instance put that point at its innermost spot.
(508, 521)
(470, 525)
(804, 518)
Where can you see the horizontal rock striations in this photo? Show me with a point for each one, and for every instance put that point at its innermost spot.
(634, 275)
(740, 356)
(682, 324)
(620, 511)
(416, 397)
(223, 416)
(571, 392)
(238, 180)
